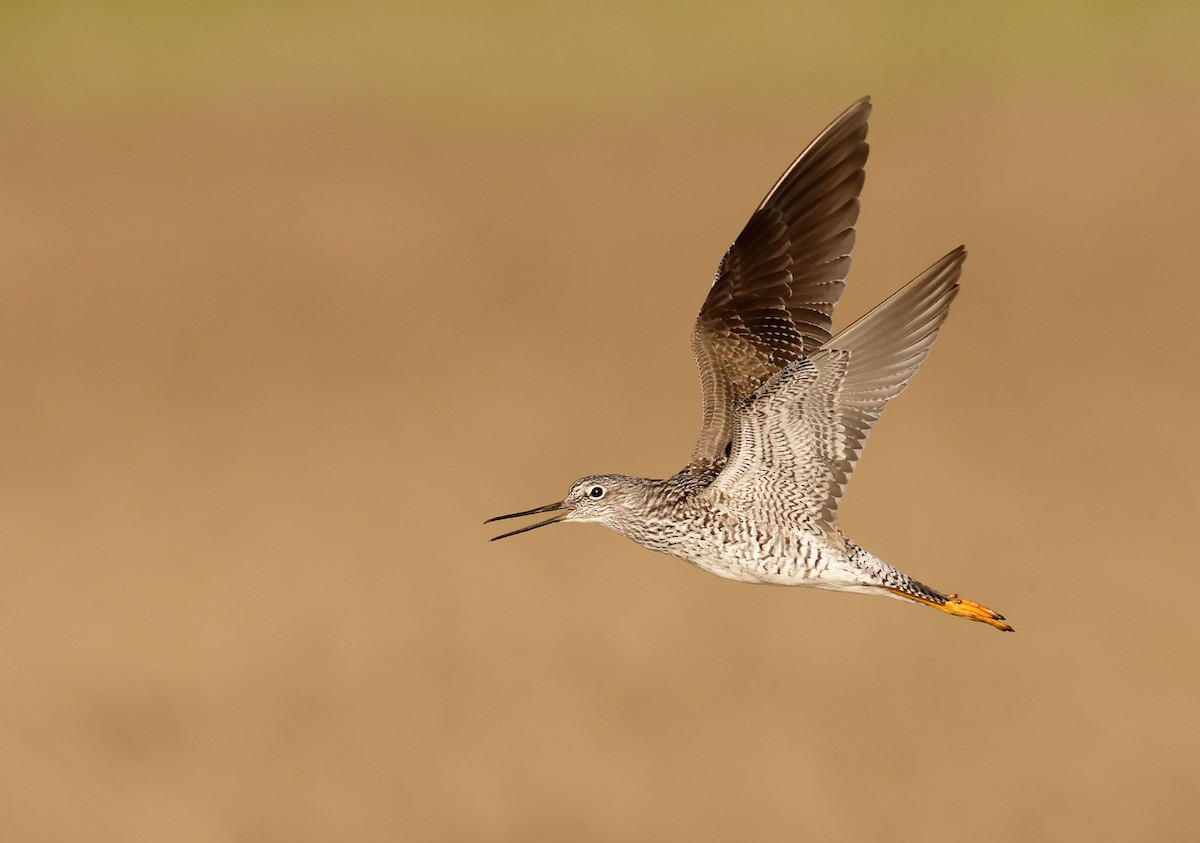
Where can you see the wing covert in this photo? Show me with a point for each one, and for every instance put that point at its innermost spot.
(798, 439)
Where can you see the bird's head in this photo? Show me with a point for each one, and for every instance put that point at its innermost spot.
(609, 499)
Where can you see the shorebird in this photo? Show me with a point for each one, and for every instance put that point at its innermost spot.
(787, 405)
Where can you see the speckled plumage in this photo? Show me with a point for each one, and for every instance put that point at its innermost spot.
(787, 406)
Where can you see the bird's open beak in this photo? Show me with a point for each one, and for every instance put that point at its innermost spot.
(550, 507)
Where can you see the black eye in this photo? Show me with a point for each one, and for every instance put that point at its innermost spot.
(597, 492)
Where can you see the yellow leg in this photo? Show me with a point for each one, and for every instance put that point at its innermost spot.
(960, 608)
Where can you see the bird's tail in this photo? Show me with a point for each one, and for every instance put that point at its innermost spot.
(897, 584)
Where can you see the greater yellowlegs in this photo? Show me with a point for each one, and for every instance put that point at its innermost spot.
(787, 406)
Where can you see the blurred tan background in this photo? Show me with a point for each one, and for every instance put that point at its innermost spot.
(293, 296)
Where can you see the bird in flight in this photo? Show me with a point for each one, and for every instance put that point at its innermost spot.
(787, 405)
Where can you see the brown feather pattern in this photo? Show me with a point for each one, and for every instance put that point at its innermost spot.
(774, 293)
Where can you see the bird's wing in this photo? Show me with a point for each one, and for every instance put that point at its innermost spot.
(797, 440)
(776, 287)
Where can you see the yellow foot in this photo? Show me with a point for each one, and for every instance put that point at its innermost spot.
(958, 607)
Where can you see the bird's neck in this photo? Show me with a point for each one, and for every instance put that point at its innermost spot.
(664, 521)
